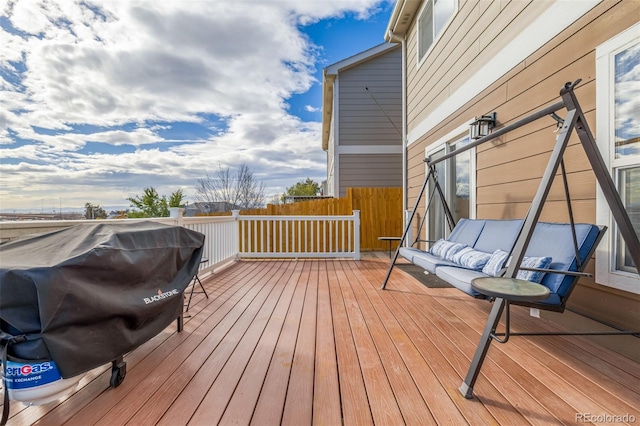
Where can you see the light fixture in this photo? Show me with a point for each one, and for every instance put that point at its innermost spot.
(482, 126)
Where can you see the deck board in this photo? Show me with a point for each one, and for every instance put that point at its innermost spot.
(382, 401)
(216, 353)
(414, 394)
(248, 386)
(424, 362)
(560, 379)
(151, 390)
(214, 403)
(355, 403)
(298, 408)
(269, 407)
(326, 399)
(318, 342)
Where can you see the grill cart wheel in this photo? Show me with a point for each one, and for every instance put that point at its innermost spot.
(118, 372)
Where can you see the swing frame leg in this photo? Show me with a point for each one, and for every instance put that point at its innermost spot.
(447, 210)
(404, 234)
(466, 388)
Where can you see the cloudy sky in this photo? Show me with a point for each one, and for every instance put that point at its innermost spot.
(100, 99)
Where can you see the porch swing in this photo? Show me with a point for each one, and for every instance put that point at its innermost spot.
(517, 252)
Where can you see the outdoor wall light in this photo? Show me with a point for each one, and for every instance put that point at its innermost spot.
(482, 126)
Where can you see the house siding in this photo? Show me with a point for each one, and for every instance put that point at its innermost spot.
(370, 171)
(476, 33)
(372, 117)
(509, 168)
(365, 124)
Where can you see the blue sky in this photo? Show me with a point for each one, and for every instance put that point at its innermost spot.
(101, 99)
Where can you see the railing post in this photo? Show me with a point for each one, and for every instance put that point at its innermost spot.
(236, 214)
(356, 235)
(177, 213)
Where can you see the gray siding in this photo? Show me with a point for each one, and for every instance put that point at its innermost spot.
(369, 171)
(362, 121)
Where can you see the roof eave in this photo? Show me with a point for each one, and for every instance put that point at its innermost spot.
(401, 18)
(327, 107)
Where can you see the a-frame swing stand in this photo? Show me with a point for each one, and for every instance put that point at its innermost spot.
(574, 121)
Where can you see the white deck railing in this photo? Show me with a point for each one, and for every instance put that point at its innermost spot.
(230, 237)
(221, 238)
(300, 236)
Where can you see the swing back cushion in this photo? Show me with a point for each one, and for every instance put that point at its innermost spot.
(483, 235)
(555, 240)
(466, 232)
(549, 240)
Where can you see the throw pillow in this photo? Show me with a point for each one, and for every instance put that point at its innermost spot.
(452, 250)
(437, 247)
(495, 263)
(445, 249)
(457, 258)
(534, 262)
(472, 259)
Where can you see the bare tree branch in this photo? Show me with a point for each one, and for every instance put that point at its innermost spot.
(239, 191)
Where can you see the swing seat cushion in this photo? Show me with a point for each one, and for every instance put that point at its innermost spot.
(459, 266)
(466, 232)
(461, 278)
(427, 261)
(483, 235)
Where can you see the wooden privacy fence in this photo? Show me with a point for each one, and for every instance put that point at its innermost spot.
(380, 214)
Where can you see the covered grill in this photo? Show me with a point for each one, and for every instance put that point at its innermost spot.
(75, 299)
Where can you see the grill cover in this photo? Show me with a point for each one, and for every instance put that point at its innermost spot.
(87, 294)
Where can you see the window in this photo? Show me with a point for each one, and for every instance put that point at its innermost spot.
(618, 137)
(433, 18)
(454, 176)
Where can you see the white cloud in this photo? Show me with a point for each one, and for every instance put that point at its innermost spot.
(312, 108)
(120, 73)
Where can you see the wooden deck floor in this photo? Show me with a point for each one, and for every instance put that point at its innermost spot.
(317, 341)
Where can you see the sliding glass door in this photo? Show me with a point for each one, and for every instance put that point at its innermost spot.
(454, 176)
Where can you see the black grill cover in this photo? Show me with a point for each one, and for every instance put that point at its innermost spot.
(94, 292)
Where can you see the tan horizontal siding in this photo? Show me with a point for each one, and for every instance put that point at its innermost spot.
(554, 211)
(513, 102)
(509, 169)
(530, 168)
(582, 187)
(622, 306)
(463, 53)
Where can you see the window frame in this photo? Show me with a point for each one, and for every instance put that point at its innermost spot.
(606, 272)
(435, 37)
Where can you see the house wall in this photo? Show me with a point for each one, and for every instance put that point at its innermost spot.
(372, 117)
(370, 171)
(365, 148)
(509, 169)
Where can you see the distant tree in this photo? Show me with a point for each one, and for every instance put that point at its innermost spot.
(92, 211)
(308, 187)
(275, 199)
(150, 204)
(120, 214)
(176, 198)
(241, 190)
